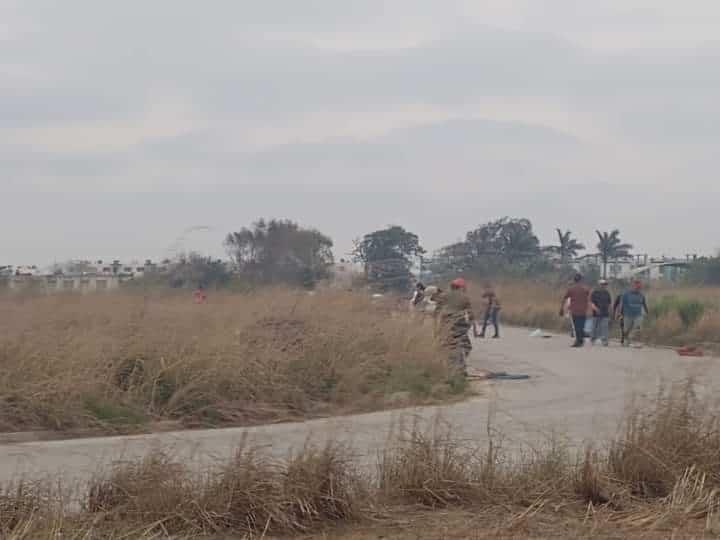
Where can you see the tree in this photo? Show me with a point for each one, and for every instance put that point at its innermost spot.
(511, 239)
(280, 251)
(194, 270)
(386, 255)
(611, 247)
(567, 247)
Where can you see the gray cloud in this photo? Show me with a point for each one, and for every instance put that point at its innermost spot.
(513, 105)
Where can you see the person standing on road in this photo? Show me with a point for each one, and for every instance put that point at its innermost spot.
(492, 311)
(633, 305)
(456, 318)
(601, 301)
(579, 296)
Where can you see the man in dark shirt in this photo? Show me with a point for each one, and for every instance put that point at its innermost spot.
(601, 301)
(492, 310)
(579, 296)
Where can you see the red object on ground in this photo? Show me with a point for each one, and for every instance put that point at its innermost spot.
(690, 351)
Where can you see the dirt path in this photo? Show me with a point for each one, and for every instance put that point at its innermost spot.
(578, 394)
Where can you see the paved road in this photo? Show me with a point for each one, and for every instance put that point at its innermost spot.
(577, 394)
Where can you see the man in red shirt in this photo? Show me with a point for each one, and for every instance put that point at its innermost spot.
(579, 296)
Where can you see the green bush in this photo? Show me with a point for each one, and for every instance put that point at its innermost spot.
(666, 304)
(689, 311)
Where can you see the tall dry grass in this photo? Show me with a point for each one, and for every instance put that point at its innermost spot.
(121, 360)
(660, 475)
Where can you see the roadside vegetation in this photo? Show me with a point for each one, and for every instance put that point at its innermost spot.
(117, 362)
(660, 477)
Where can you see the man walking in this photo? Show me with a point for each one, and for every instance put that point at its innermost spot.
(633, 306)
(579, 296)
(601, 301)
(492, 310)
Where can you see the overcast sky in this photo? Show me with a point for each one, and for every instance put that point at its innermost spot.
(123, 124)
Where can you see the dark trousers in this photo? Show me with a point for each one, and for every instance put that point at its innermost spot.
(491, 316)
(579, 325)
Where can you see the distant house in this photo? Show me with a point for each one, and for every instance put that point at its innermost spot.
(59, 283)
(641, 266)
(77, 276)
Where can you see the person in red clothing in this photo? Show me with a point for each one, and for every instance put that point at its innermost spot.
(200, 296)
(579, 296)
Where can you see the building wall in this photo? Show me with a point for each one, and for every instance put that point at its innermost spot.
(60, 284)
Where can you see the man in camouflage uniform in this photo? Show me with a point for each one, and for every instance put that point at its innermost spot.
(455, 318)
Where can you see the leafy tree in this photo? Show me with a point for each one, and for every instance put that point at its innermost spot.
(510, 239)
(194, 270)
(611, 247)
(567, 247)
(386, 255)
(280, 251)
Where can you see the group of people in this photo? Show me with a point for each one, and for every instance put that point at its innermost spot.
(454, 317)
(591, 310)
(628, 308)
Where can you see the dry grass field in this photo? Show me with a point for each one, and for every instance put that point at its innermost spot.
(117, 362)
(660, 478)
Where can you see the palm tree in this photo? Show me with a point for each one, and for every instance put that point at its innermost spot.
(611, 247)
(567, 247)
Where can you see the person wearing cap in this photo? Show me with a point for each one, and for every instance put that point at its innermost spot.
(633, 305)
(579, 296)
(455, 320)
(601, 301)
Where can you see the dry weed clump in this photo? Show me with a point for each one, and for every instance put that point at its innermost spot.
(429, 468)
(154, 488)
(118, 361)
(251, 494)
(19, 503)
(660, 444)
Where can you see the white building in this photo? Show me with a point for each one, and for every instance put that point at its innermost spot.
(76, 276)
(641, 266)
(62, 283)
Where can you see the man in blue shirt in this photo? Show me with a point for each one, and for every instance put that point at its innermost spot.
(633, 306)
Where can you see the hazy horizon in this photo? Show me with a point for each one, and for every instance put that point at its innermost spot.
(125, 124)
